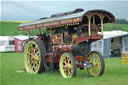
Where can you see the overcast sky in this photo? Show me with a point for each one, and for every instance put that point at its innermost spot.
(20, 10)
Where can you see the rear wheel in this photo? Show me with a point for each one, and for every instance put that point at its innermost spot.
(33, 57)
(97, 61)
(67, 65)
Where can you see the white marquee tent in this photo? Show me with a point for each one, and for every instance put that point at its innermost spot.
(112, 42)
(7, 43)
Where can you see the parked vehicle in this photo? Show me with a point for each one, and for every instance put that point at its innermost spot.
(7, 44)
(66, 43)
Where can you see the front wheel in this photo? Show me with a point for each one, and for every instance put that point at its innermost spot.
(33, 57)
(98, 65)
(67, 65)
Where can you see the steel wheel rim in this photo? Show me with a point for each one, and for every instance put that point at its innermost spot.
(32, 57)
(66, 66)
(96, 64)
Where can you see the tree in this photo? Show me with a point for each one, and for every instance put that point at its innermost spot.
(121, 21)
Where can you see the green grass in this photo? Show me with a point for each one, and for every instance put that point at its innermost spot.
(110, 27)
(115, 74)
(9, 28)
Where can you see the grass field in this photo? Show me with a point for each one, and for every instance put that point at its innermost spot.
(9, 28)
(115, 74)
(110, 27)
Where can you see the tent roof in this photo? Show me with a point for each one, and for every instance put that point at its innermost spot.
(6, 37)
(21, 37)
(112, 34)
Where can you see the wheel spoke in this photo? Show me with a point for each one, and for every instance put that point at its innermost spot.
(64, 60)
(32, 67)
(37, 57)
(28, 53)
(69, 73)
(69, 61)
(98, 64)
(35, 67)
(35, 50)
(96, 57)
(98, 61)
(95, 72)
(36, 62)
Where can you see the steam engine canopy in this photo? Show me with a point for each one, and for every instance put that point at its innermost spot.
(68, 18)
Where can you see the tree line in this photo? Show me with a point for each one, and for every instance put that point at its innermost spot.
(121, 21)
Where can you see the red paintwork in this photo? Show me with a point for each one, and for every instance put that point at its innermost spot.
(56, 54)
(65, 48)
(62, 48)
(79, 58)
(89, 38)
(51, 24)
(56, 47)
(80, 65)
(55, 59)
(81, 39)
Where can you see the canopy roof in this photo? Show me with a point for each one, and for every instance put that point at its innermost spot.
(113, 34)
(72, 18)
(22, 37)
